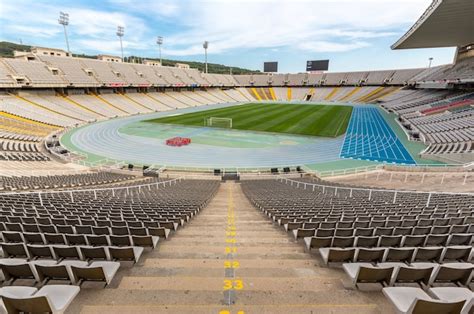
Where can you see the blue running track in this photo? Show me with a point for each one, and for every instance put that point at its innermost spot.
(369, 137)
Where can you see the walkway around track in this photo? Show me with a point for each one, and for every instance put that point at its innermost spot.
(229, 259)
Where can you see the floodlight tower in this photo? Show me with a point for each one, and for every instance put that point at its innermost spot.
(159, 41)
(430, 60)
(120, 33)
(205, 45)
(64, 21)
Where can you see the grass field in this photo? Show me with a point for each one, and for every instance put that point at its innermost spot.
(315, 120)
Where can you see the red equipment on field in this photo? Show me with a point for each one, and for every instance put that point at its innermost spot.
(178, 141)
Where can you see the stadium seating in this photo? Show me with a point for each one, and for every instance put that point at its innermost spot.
(49, 299)
(441, 119)
(81, 236)
(415, 300)
(309, 245)
(66, 181)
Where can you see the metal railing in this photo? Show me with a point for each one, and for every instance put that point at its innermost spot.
(418, 167)
(113, 190)
(339, 172)
(326, 189)
(41, 173)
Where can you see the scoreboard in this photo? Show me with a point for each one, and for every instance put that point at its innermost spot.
(317, 65)
(270, 67)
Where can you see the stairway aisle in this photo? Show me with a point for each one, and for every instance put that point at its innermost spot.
(230, 259)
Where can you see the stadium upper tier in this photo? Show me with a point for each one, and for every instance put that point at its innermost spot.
(445, 23)
(53, 71)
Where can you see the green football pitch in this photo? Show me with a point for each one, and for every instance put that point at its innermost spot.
(315, 120)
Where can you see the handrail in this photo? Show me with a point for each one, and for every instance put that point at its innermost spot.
(42, 173)
(113, 189)
(331, 173)
(370, 191)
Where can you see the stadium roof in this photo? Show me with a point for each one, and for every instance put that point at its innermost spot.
(446, 23)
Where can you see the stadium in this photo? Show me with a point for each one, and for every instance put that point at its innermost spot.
(137, 187)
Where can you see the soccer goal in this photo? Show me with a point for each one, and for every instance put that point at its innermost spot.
(219, 122)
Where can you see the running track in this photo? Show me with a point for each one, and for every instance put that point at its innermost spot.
(369, 137)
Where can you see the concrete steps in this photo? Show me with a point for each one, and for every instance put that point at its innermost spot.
(187, 273)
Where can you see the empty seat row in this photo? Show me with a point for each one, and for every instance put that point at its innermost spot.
(424, 274)
(156, 230)
(407, 300)
(47, 299)
(383, 231)
(389, 241)
(403, 255)
(42, 271)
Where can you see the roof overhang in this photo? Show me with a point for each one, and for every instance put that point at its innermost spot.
(446, 23)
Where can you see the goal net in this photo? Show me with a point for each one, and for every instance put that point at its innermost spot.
(219, 122)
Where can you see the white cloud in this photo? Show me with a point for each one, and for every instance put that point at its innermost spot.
(327, 46)
(44, 32)
(162, 8)
(328, 25)
(307, 25)
(93, 30)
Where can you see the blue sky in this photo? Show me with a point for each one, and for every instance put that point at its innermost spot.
(353, 34)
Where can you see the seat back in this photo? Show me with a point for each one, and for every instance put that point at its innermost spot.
(122, 254)
(53, 238)
(94, 253)
(452, 274)
(365, 255)
(399, 255)
(76, 239)
(39, 251)
(14, 249)
(29, 305)
(425, 306)
(97, 240)
(120, 240)
(458, 254)
(66, 252)
(52, 272)
(406, 274)
(389, 240)
(343, 242)
(372, 275)
(88, 273)
(33, 238)
(428, 254)
(20, 271)
(341, 255)
(142, 241)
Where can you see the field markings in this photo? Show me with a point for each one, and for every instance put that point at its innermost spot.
(299, 119)
(343, 122)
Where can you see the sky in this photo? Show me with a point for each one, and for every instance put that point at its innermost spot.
(353, 34)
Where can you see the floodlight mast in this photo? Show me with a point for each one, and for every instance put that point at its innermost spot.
(205, 45)
(159, 41)
(64, 21)
(120, 33)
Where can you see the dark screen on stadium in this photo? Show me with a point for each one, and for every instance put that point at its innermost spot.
(317, 65)
(270, 67)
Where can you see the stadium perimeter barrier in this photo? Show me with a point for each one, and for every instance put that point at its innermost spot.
(407, 168)
(327, 189)
(38, 173)
(113, 190)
